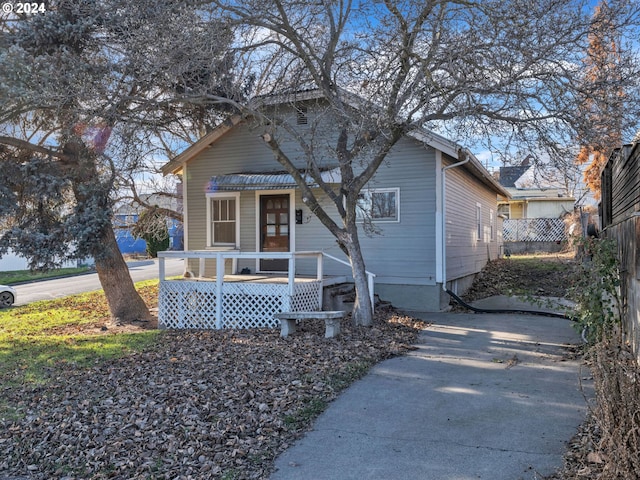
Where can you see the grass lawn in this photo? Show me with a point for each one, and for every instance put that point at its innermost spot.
(17, 276)
(35, 338)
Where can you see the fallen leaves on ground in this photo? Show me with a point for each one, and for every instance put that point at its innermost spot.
(543, 275)
(198, 405)
(582, 461)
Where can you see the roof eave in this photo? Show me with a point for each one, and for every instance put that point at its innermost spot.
(484, 176)
(452, 149)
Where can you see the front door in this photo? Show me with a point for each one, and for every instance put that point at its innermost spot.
(274, 230)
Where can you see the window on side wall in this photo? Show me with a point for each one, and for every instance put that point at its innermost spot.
(478, 222)
(379, 205)
(492, 225)
(222, 213)
(503, 209)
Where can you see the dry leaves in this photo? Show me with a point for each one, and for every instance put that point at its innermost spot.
(607, 445)
(505, 276)
(199, 405)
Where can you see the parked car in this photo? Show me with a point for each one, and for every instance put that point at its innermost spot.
(7, 296)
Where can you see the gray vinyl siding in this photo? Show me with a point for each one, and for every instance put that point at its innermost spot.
(312, 235)
(466, 254)
(403, 252)
(240, 150)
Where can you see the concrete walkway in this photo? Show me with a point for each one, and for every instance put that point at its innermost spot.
(486, 396)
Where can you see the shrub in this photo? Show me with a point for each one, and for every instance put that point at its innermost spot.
(152, 228)
(597, 290)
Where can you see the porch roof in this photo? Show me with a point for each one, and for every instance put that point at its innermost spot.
(263, 181)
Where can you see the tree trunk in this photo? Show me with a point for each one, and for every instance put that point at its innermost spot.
(125, 303)
(362, 309)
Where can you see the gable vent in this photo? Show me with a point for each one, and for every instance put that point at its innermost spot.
(302, 118)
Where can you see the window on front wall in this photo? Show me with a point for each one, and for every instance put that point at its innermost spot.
(380, 205)
(478, 222)
(223, 215)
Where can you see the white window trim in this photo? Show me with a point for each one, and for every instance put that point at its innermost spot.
(220, 196)
(396, 190)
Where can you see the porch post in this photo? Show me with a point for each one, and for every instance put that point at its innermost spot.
(161, 272)
(319, 277)
(219, 282)
(292, 272)
(371, 294)
(201, 267)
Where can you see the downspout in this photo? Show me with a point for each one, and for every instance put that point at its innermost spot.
(443, 182)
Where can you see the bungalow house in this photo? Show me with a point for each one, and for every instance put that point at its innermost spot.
(435, 216)
(536, 210)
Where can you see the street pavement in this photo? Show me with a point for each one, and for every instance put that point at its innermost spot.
(62, 287)
(483, 396)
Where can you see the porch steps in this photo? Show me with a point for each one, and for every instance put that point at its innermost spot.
(342, 297)
(338, 297)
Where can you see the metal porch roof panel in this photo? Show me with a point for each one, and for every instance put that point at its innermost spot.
(262, 181)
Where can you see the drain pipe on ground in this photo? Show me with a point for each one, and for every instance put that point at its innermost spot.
(462, 303)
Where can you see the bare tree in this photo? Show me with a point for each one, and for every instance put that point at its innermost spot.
(81, 85)
(604, 104)
(385, 69)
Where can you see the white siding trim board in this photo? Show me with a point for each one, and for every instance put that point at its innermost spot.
(439, 220)
(185, 210)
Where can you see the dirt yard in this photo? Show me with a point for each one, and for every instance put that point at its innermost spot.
(545, 275)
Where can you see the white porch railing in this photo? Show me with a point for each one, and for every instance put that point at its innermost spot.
(194, 303)
(370, 277)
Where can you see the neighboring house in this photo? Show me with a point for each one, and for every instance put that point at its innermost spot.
(529, 201)
(126, 215)
(237, 199)
(10, 262)
(534, 215)
(536, 203)
(620, 220)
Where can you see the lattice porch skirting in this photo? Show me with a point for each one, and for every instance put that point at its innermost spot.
(188, 304)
